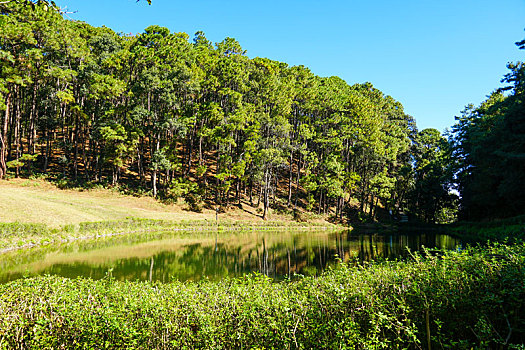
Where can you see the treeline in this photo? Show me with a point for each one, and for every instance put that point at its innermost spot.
(489, 151)
(164, 115)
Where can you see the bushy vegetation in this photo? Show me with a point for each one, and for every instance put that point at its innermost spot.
(489, 151)
(19, 230)
(474, 298)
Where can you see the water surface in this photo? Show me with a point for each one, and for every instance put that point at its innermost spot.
(165, 256)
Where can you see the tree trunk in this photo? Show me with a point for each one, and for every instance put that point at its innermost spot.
(3, 168)
(260, 195)
(47, 152)
(341, 210)
(155, 170)
(290, 181)
(200, 150)
(297, 181)
(238, 191)
(266, 193)
(320, 202)
(75, 152)
(16, 136)
(251, 190)
(154, 183)
(190, 151)
(3, 138)
(140, 164)
(373, 206)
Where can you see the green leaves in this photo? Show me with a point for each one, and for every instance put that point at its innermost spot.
(157, 107)
(433, 177)
(470, 298)
(160, 160)
(489, 143)
(118, 142)
(23, 160)
(106, 87)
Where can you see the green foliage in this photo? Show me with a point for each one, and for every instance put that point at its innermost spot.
(500, 230)
(489, 149)
(471, 299)
(432, 197)
(140, 111)
(190, 191)
(20, 230)
(22, 161)
(15, 164)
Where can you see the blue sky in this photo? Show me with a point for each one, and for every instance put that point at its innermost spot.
(434, 57)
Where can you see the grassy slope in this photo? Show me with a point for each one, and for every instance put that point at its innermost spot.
(35, 212)
(35, 201)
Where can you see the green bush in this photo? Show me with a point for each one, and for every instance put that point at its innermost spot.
(460, 300)
(181, 188)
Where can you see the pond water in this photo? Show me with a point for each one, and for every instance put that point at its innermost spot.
(165, 256)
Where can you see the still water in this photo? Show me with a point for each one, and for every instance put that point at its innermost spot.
(165, 256)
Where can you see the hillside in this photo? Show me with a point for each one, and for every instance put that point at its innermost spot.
(38, 201)
(170, 116)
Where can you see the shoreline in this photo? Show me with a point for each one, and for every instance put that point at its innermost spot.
(107, 229)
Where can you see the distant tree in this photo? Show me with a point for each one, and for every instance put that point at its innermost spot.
(433, 199)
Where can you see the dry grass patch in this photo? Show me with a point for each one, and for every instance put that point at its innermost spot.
(38, 201)
(35, 201)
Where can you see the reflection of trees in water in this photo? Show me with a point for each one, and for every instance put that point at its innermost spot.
(293, 254)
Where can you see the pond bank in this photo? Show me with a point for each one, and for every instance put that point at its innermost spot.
(15, 236)
(506, 230)
(503, 230)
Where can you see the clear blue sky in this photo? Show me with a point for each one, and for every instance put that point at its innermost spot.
(434, 57)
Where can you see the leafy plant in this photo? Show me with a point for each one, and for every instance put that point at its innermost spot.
(469, 299)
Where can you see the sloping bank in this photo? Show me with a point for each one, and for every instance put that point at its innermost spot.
(461, 300)
(27, 235)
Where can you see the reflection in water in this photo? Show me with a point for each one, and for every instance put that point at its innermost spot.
(194, 256)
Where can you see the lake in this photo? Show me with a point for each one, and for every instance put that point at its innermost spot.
(164, 256)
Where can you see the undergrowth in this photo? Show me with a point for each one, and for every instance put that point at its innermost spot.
(510, 230)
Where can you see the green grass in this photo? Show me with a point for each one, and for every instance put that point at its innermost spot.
(461, 300)
(510, 230)
(45, 204)
(41, 202)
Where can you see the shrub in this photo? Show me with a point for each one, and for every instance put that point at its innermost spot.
(462, 300)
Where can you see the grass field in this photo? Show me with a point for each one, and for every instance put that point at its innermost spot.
(38, 201)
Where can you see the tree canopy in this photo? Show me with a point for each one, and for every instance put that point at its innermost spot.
(489, 150)
(171, 116)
